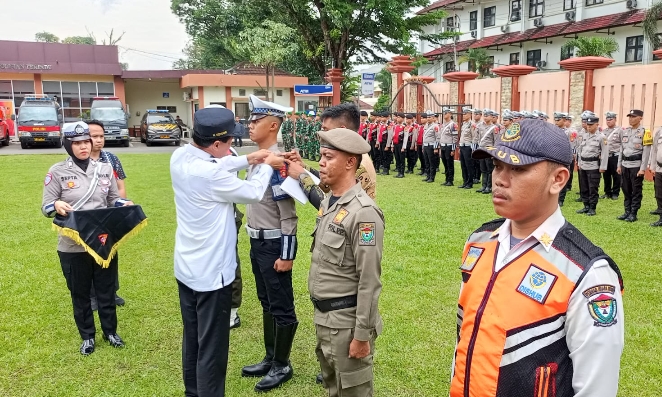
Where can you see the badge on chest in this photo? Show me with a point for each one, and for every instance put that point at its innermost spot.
(536, 284)
(277, 179)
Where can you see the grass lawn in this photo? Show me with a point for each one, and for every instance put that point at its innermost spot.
(426, 226)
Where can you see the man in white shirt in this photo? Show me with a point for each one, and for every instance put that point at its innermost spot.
(540, 311)
(205, 189)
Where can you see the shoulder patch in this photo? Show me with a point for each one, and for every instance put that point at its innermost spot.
(367, 233)
(48, 179)
(603, 309)
(648, 138)
(599, 289)
(472, 258)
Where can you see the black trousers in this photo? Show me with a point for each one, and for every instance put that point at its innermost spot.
(467, 163)
(476, 170)
(589, 184)
(568, 184)
(572, 174)
(486, 168)
(386, 157)
(658, 189)
(237, 284)
(633, 187)
(274, 289)
(449, 162)
(238, 141)
(93, 294)
(611, 178)
(412, 157)
(431, 161)
(399, 157)
(206, 341)
(81, 271)
(374, 153)
(421, 157)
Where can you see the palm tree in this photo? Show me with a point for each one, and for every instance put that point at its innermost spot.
(653, 14)
(479, 61)
(592, 46)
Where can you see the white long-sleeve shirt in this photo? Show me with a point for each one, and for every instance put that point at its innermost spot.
(205, 189)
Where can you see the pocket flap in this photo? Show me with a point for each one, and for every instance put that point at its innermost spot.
(356, 378)
(333, 240)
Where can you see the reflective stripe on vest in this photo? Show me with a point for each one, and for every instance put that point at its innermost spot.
(511, 323)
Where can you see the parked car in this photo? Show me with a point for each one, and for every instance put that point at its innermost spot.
(159, 126)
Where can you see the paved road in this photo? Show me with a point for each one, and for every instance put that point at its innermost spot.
(135, 148)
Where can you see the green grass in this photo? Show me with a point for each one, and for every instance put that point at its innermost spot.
(426, 227)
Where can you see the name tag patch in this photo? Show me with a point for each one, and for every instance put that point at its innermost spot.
(472, 258)
(536, 284)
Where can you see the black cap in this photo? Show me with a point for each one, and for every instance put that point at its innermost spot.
(213, 122)
(592, 120)
(529, 141)
(636, 112)
(364, 113)
(409, 116)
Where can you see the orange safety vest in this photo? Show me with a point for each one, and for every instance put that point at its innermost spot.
(511, 323)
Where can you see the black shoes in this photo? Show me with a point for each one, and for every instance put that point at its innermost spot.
(632, 217)
(481, 190)
(614, 197)
(604, 196)
(462, 186)
(87, 347)
(487, 191)
(476, 181)
(426, 179)
(590, 212)
(114, 340)
(262, 368)
(430, 180)
(656, 212)
(579, 200)
(400, 175)
(583, 210)
(119, 301)
(319, 379)
(447, 183)
(281, 370)
(658, 223)
(624, 216)
(236, 323)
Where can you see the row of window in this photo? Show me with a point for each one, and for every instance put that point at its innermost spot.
(634, 52)
(536, 10)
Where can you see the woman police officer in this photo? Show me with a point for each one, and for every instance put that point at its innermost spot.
(80, 184)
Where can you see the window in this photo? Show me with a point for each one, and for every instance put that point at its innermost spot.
(259, 92)
(634, 48)
(242, 92)
(489, 17)
(170, 109)
(514, 58)
(568, 5)
(536, 8)
(565, 54)
(473, 20)
(106, 89)
(533, 57)
(515, 10)
(593, 2)
(449, 67)
(655, 57)
(5, 89)
(450, 24)
(279, 92)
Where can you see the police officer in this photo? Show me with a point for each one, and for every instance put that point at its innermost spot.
(78, 183)
(430, 145)
(344, 278)
(447, 145)
(656, 166)
(478, 123)
(272, 228)
(385, 143)
(398, 140)
(409, 143)
(593, 155)
(633, 158)
(611, 178)
(468, 143)
(540, 310)
(487, 135)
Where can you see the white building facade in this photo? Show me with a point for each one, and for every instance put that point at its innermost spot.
(532, 32)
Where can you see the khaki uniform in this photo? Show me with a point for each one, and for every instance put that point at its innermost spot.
(633, 145)
(346, 263)
(593, 152)
(65, 181)
(656, 152)
(487, 134)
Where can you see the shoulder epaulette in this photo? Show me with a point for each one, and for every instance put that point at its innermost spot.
(491, 225)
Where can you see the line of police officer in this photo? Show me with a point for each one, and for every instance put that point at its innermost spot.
(619, 156)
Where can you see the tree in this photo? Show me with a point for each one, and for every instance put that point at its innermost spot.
(479, 61)
(266, 46)
(46, 37)
(111, 40)
(591, 46)
(653, 14)
(79, 40)
(382, 103)
(385, 80)
(350, 88)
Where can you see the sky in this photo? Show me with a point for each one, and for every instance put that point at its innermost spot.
(154, 36)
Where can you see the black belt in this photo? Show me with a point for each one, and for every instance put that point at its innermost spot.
(612, 154)
(329, 305)
(659, 164)
(632, 158)
(590, 158)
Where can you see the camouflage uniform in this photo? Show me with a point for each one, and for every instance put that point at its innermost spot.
(286, 133)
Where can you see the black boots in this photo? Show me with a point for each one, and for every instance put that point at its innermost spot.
(386, 171)
(658, 223)
(262, 368)
(281, 369)
(591, 210)
(625, 216)
(583, 210)
(632, 217)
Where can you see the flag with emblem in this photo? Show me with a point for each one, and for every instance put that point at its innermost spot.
(101, 231)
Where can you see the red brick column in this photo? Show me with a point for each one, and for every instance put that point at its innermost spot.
(335, 77)
(400, 64)
(457, 80)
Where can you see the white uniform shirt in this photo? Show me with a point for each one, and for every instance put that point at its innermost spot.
(205, 189)
(595, 351)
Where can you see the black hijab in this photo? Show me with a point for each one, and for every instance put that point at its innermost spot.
(80, 163)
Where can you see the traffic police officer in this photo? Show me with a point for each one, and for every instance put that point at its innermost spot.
(656, 166)
(272, 228)
(540, 310)
(467, 144)
(611, 178)
(478, 122)
(487, 135)
(593, 154)
(78, 183)
(447, 143)
(344, 280)
(430, 145)
(633, 158)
